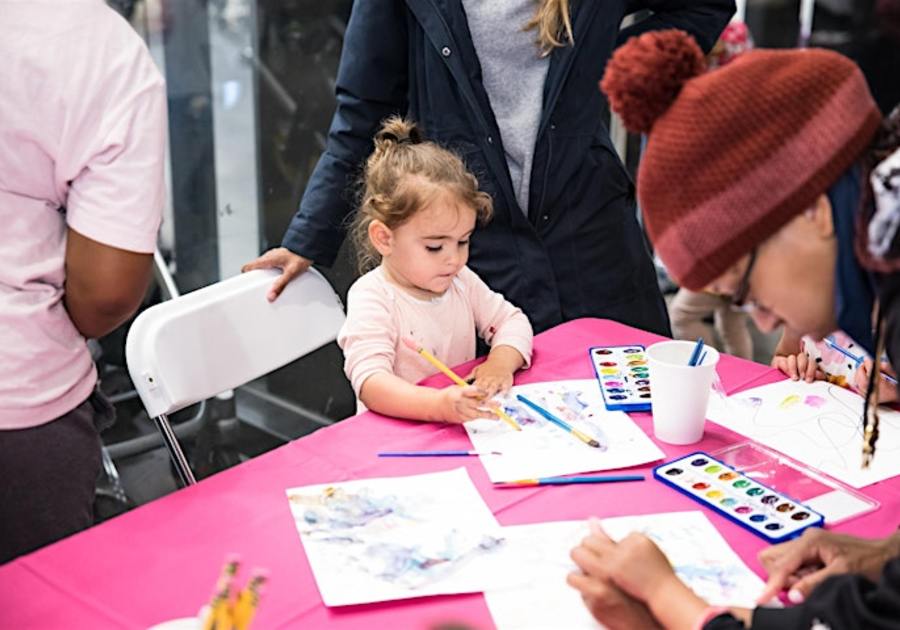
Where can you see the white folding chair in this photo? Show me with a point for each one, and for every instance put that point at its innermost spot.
(213, 339)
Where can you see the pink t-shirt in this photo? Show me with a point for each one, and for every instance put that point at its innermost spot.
(82, 144)
(380, 314)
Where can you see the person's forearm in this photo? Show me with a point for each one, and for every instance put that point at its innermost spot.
(891, 551)
(790, 343)
(676, 606)
(390, 395)
(104, 285)
(506, 357)
(96, 316)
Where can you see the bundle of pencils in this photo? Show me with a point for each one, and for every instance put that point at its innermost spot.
(230, 608)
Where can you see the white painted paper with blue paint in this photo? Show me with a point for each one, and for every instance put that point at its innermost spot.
(542, 449)
(540, 553)
(375, 540)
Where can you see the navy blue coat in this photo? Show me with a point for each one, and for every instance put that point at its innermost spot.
(579, 251)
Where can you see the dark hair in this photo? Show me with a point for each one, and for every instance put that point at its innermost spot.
(402, 176)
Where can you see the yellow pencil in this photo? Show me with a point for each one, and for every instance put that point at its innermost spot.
(219, 613)
(453, 376)
(248, 600)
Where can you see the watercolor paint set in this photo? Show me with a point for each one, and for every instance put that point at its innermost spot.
(833, 499)
(739, 497)
(624, 376)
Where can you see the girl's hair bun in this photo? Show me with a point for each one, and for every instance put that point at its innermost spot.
(645, 75)
(397, 130)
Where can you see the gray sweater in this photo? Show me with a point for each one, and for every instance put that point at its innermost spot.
(514, 75)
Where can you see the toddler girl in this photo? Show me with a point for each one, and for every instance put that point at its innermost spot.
(419, 208)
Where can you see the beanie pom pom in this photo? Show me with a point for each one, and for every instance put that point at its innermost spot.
(645, 75)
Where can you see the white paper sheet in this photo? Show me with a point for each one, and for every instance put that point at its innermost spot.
(818, 424)
(373, 540)
(542, 449)
(699, 554)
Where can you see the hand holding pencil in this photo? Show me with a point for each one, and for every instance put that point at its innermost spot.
(459, 398)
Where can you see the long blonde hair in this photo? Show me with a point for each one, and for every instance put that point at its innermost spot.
(553, 23)
(402, 176)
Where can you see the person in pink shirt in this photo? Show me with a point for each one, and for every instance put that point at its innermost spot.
(82, 148)
(419, 208)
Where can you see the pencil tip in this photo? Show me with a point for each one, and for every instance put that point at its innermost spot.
(594, 443)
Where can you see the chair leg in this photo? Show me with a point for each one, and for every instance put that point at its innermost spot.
(180, 461)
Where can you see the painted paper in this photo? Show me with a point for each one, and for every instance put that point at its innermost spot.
(373, 540)
(818, 424)
(542, 449)
(698, 553)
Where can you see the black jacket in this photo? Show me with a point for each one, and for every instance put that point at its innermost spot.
(843, 602)
(579, 251)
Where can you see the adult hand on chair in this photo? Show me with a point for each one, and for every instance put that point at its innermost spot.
(291, 265)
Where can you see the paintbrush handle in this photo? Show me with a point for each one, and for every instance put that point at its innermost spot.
(858, 359)
(432, 453)
(559, 422)
(695, 355)
(562, 481)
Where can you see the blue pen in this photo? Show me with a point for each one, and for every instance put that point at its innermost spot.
(855, 358)
(436, 453)
(561, 481)
(695, 355)
(587, 439)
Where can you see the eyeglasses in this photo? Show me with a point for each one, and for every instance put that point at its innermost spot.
(739, 297)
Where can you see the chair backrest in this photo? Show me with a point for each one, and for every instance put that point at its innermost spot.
(216, 338)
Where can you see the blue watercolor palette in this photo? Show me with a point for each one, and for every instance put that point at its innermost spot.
(624, 376)
(752, 505)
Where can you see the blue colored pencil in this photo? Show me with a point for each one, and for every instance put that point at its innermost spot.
(695, 355)
(561, 481)
(587, 439)
(436, 453)
(855, 358)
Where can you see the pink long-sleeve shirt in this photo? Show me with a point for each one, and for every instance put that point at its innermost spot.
(82, 146)
(380, 314)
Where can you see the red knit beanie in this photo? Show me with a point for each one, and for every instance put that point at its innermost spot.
(736, 153)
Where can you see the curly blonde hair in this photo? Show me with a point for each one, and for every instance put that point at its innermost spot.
(553, 24)
(402, 176)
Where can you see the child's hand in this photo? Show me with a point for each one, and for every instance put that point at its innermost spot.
(798, 367)
(492, 378)
(461, 404)
(887, 392)
(495, 375)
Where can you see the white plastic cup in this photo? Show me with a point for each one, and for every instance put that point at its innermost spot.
(679, 392)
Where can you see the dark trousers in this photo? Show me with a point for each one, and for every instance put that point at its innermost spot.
(48, 475)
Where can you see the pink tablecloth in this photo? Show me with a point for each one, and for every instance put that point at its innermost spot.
(160, 561)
